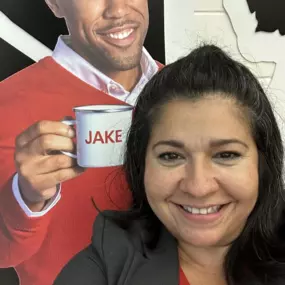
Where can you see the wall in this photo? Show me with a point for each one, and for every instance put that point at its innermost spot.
(205, 20)
(231, 25)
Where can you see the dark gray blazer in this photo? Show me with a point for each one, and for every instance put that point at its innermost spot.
(119, 257)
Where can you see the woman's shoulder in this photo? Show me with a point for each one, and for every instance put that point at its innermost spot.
(123, 245)
(113, 247)
(113, 230)
(119, 252)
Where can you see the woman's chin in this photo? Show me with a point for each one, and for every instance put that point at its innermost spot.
(202, 240)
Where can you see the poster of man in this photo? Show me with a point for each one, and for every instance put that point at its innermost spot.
(104, 55)
(28, 42)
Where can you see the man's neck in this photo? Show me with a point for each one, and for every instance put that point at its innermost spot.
(128, 78)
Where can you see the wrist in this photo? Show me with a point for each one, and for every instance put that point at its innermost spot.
(33, 203)
(35, 206)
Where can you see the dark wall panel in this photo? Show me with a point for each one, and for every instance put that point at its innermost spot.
(11, 60)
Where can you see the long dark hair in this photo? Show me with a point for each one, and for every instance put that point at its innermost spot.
(256, 256)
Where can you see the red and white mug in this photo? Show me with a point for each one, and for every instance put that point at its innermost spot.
(101, 132)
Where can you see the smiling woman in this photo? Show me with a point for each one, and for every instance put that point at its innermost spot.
(204, 162)
(207, 169)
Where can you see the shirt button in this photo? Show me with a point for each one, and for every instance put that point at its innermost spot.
(113, 87)
(115, 90)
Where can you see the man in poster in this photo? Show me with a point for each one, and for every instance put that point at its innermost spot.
(42, 207)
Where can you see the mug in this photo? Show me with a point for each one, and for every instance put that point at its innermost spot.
(101, 132)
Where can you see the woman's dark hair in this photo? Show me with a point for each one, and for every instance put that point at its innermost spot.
(256, 256)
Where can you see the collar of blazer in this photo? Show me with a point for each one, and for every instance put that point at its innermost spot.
(127, 261)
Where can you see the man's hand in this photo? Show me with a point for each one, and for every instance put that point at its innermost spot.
(39, 163)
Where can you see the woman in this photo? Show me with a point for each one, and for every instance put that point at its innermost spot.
(204, 162)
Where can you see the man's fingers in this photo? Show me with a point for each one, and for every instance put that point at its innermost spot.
(48, 164)
(43, 128)
(54, 163)
(48, 144)
(46, 181)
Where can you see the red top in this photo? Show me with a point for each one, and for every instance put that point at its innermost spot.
(39, 247)
(182, 278)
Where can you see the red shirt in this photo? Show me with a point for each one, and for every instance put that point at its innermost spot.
(39, 247)
(182, 278)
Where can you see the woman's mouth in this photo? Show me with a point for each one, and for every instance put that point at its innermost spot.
(203, 214)
(202, 211)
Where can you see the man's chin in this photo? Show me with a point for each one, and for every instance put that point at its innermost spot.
(126, 67)
(125, 64)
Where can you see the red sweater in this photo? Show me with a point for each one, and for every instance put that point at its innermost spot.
(39, 247)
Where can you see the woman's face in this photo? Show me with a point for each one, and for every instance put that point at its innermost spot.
(201, 175)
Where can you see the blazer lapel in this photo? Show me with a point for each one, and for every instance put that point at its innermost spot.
(161, 266)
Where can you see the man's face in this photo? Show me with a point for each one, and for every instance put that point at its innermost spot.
(108, 33)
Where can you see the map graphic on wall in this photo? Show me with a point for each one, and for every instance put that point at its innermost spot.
(260, 29)
(269, 15)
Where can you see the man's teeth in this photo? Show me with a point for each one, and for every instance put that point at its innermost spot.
(121, 35)
(202, 211)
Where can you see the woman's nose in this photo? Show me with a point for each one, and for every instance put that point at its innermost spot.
(199, 178)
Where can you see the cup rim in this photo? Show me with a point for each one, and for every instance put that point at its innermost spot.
(102, 108)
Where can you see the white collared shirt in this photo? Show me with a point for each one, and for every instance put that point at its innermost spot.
(78, 66)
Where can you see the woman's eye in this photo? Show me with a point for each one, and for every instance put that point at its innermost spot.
(227, 155)
(169, 156)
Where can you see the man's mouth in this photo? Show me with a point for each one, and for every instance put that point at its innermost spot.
(121, 35)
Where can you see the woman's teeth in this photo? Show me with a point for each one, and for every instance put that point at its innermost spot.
(202, 211)
(120, 35)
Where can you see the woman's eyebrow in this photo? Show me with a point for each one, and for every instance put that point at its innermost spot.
(213, 143)
(173, 143)
(221, 142)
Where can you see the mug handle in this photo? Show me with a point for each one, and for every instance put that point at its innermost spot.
(69, 123)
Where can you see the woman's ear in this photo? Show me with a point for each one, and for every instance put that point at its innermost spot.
(54, 6)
